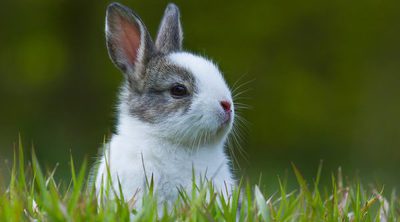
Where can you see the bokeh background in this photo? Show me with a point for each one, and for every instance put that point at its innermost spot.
(323, 80)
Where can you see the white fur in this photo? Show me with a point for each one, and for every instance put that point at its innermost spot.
(170, 150)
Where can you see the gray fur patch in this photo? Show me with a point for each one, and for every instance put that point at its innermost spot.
(154, 103)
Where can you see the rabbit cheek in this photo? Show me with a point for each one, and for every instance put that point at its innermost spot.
(158, 107)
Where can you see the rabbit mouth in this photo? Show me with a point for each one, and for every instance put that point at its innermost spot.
(226, 118)
(224, 126)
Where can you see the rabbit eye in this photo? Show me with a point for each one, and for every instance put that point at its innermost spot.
(178, 91)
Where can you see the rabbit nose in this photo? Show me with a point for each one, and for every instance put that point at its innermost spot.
(226, 106)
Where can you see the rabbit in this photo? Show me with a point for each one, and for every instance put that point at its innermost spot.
(175, 112)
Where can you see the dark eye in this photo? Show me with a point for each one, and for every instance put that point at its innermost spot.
(178, 91)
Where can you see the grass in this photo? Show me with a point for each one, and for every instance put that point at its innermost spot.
(32, 195)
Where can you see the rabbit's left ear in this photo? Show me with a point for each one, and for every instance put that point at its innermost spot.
(170, 36)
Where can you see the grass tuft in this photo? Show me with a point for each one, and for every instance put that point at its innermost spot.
(34, 195)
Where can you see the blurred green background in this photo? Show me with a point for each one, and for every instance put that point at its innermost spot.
(324, 79)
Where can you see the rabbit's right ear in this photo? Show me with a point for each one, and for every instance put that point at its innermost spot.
(128, 41)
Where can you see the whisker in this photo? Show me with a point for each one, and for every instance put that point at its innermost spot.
(242, 92)
(238, 138)
(238, 81)
(236, 88)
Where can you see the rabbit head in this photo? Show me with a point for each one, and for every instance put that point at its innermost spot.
(174, 94)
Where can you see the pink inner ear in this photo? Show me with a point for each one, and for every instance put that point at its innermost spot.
(129, 39)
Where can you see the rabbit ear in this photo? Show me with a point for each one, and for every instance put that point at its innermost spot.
(128, 41)
(170, 36)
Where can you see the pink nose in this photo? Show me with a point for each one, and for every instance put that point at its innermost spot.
(226, 105)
